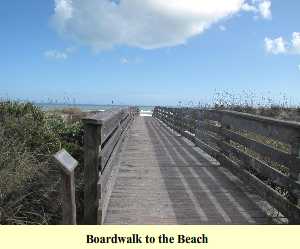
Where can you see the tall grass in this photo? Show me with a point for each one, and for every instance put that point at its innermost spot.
(250, 102)
(29, 181)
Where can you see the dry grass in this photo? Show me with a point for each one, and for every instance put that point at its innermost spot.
(69, 115)
(250, 102)
(29, 181)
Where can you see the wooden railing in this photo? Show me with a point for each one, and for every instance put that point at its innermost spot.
(262, 151)
(67, 165)
(103, 133)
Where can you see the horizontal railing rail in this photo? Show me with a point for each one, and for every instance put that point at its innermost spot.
(263, 151)
(103, 133)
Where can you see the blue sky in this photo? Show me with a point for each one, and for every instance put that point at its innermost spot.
(141, 54)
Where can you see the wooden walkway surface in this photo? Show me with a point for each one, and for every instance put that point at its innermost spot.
(162, 178)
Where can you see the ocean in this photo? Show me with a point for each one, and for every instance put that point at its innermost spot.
(144, 110)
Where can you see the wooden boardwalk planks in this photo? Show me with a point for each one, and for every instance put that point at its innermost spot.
(164, 179)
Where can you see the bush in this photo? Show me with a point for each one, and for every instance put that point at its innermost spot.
(29, 181)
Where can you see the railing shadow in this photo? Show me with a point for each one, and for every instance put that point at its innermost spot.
(200, 191)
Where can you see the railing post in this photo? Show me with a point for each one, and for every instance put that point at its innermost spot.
(178, 122)
(294, 173)
(171, 118)
(67, 165)
(181, 120)
(223, 138)
(92, 143)
(160, 114)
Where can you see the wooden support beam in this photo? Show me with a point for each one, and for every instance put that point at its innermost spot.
(92, 160)
(67, 164)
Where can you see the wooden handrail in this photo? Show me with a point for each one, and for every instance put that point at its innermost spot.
(243, 143)
(102, 135)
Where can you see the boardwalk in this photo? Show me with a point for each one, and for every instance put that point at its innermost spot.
(162, 178)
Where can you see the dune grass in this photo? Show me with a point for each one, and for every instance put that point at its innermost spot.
(29, 180)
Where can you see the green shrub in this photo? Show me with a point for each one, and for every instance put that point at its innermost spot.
(29, 181)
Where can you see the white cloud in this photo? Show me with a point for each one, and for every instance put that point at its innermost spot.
(146, 24)
(265, 9)
(54, 54)
(296, 42)
(249, 8)
(59, 55)
(63, 11)
(275, 46)
(281, 46)
(259, 7)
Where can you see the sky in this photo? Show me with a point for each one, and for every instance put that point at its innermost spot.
(149, 52)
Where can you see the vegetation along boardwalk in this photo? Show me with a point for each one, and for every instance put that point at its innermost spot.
(190, 166)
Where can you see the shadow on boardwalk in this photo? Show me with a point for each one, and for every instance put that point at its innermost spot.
(164, 179)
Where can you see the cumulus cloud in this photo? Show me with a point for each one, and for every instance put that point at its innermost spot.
(282, 46)
(261, 8)
(299, 67)
(147, 24)
(249, 8)
(275, 46)
(296, 42)
(264, 8)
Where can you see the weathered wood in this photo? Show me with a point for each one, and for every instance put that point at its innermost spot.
(223, 121)
(294, 192)
(208, 114)
(208, 126)
(124, 123)
(102, 134)
(111, 124)
(263, 149)
(67, 164)
(178, 126)
(278, 201)
(108, 120)
(109, 147)
(173, 156)
(65, 161)
(250, 162)
(92, 142)
(99, 201)
(207, 148)
(285, 131)
(68, 199)
(125, 117)
(206, 136)
(168, 180)
(106, 177)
